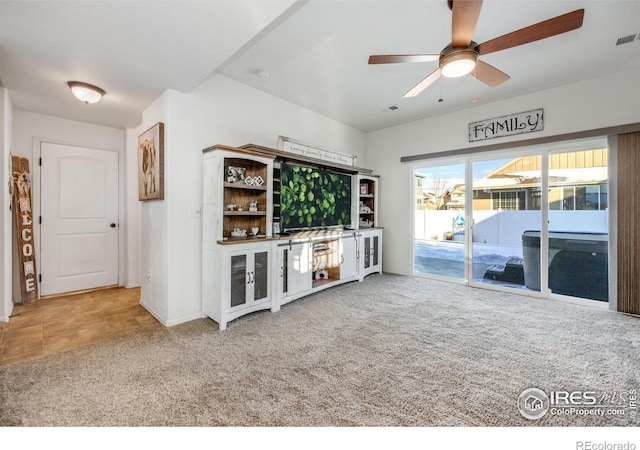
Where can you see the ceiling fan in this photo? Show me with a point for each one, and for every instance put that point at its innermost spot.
(460, 57)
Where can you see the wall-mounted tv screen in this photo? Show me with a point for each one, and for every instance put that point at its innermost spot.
(313, 197)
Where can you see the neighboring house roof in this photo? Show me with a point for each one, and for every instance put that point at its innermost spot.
(557, 177)
(584, 167)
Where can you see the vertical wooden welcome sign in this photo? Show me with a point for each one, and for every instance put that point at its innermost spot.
(24, 226)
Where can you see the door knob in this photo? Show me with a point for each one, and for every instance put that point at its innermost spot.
(113, 225)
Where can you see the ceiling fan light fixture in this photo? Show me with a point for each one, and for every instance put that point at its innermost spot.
(460, 57)
(458, 63)
(85, 92)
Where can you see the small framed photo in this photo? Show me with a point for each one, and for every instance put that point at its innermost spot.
(276, 227)
(364, 190)
(236, 174)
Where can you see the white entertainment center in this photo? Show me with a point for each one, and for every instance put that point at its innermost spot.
(247, 266)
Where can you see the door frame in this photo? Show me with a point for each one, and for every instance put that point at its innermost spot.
(545, 150)
(37, 186)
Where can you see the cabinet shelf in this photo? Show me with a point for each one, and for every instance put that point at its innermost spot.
(240, 239)
(367, 214)
(245, 196)
(245, 186)
(245, 213)
(317, 283)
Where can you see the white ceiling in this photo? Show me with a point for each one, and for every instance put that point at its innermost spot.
(134, 50)
(315, 51)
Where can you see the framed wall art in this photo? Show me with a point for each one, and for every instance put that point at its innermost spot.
(151, 163)
(236, 174)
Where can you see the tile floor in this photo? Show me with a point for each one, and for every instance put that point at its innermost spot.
(53, 325)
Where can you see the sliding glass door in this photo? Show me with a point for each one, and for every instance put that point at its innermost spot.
(534, 222)
(439, 229)
(578, 236)
(506, 205)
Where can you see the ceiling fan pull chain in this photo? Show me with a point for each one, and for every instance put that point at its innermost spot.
(475, 87)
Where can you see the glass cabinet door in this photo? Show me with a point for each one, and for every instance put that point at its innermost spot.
(261, 276)
(239, 280)
(367, 252)
(375, 251)
(284, 269)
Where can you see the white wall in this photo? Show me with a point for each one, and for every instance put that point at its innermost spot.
(219, 111)
(153, 217)
(30, 129)
(602, 102)
(6, 302)
(131, 211)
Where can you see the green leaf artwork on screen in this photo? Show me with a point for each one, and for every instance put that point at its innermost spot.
(313, 197)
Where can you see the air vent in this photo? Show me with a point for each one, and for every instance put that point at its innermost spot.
(626, 39)
(391, 108)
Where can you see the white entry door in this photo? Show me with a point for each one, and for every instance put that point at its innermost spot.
(79, 209)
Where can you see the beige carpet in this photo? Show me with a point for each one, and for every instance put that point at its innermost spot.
(391, 351)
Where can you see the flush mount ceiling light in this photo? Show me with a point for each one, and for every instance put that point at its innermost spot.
(85, 92)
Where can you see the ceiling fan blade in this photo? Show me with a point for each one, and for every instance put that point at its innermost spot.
(464, 20)
(433, 76)
(391, 59)
(488, 74)
(532, 33)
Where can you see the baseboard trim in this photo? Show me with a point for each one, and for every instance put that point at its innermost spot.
(153, 312)
(185, 319)
(170, 323)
